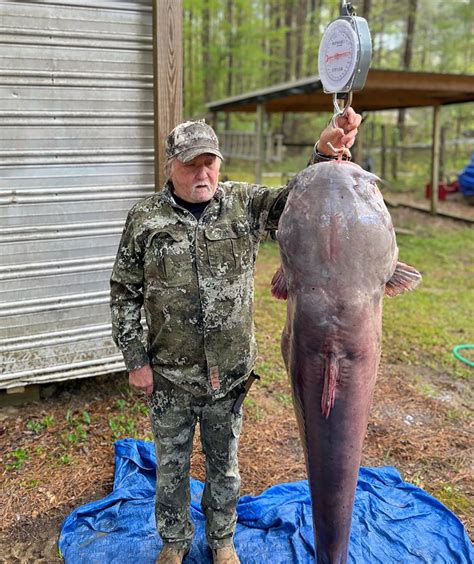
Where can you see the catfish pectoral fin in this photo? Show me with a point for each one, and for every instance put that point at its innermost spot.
(279, 285)
(404, 278)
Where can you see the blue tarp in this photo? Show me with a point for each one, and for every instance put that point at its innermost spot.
(393, 522)
(466, 179)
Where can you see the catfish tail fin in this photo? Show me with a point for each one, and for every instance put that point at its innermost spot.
(404, 278)
(279, 287)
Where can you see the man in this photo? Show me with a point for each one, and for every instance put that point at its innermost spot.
(188, 255)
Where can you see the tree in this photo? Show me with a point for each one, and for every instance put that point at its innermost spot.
(407, 55)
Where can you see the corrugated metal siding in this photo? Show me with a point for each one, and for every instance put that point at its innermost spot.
(76, 151)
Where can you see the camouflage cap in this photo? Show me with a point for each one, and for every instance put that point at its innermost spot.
(191, 139)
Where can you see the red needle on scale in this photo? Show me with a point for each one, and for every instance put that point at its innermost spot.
(337, 55)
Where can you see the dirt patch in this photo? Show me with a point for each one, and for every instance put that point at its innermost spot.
(428, 439)
(454, 204)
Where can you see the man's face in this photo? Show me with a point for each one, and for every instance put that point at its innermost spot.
(196, 181)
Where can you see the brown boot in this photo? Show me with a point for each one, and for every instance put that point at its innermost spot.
(225, 555)
(170, 555)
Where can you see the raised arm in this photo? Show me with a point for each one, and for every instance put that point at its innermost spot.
(268, 204)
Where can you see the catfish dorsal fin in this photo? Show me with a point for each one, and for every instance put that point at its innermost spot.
(404, 278)
(279, 286)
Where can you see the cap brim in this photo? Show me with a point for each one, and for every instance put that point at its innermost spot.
(189, 154)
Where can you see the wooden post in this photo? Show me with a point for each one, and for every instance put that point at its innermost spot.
(372, 133)
(212, 120)
(260, 139)
(168, 76)
(394, 152)
(358, 147)
(442, 155)
(383, 152)
(435, 158)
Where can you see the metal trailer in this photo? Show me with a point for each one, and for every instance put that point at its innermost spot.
(76, 151)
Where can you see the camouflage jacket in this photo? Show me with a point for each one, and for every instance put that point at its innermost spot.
(195, 281)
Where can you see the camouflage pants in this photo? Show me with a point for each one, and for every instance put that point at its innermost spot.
(174, 413)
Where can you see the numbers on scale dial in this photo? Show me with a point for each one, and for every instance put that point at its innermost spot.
(338, 56)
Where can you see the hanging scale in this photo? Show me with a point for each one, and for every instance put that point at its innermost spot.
(345, 53)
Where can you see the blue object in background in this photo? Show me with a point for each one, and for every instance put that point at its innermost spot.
(466, 179)
(393, 522)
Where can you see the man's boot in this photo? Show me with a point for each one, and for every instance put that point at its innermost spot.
(170, 555)
(225, 555)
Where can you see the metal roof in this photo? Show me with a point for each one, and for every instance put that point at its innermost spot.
(384, 89)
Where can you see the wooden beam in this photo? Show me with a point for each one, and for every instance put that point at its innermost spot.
(19, 395)
(435, 158)
(168, 76)
(383, 90)
(423, 81)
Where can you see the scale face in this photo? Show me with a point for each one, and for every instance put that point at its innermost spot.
(345, 53)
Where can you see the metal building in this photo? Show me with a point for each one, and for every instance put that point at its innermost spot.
(76, 151)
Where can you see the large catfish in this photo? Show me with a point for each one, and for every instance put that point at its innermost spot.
(339, 256)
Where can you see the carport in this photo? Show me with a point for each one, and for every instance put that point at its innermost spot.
(384, 90)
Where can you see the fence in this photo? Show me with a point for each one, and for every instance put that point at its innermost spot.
(242, 145)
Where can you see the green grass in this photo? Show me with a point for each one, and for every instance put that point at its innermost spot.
(270, 317)
(452, 497)
(422, 327)
(419, 328)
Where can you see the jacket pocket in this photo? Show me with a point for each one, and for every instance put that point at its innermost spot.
(228, 249)
(168, 258)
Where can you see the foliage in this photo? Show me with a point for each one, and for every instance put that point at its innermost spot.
(38, 426)
(124, 424)
(17, 459)
(233, 46)
(236, 46)
(77, 428)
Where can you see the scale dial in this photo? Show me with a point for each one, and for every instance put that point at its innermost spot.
(338, 56)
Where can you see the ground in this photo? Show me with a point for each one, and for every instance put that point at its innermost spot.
(58, 453)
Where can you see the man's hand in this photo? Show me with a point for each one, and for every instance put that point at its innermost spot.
(141, 379)
(342, 136)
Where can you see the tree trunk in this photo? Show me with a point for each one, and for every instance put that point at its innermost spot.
(276, 51)
(407, 57)
(230, 57)
(378, 50)
(189, 67)
(239, 20)
(288, 70)
(301, 13)
(366, 6)
(314, 36)
(206, 54)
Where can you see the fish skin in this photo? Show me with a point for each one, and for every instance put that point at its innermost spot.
(338, 252)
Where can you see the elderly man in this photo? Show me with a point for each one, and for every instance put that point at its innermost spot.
(188, 255)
